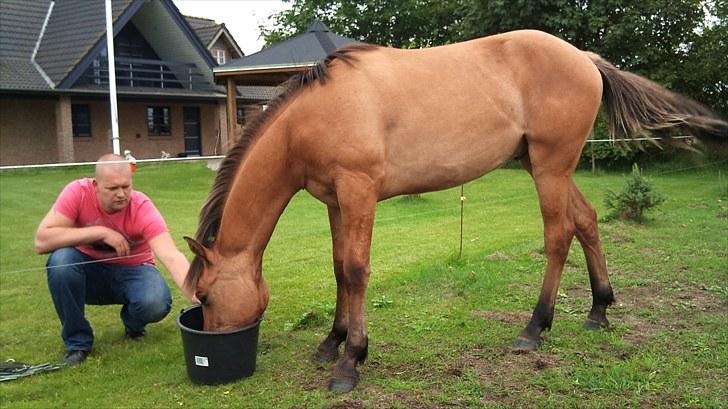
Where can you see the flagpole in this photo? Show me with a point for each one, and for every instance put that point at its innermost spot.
(112, 80)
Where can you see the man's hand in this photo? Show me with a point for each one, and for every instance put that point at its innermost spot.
(176, 263)
(56, 231)
(116, 240)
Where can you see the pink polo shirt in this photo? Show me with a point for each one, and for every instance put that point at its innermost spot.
(139, 221)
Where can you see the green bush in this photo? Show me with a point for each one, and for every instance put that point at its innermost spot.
(636, 198)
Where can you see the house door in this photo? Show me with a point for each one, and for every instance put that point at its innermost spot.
(193, 139)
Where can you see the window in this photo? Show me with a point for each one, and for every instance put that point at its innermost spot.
(241, 116)
(220, 56)
(81, 120)
(158, 121)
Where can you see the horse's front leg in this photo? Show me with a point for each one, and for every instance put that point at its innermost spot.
(328, 350)
(357, 200)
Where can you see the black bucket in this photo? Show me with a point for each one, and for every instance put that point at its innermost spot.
(216, 357)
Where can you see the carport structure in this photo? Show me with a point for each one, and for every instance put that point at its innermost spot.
(272, 66)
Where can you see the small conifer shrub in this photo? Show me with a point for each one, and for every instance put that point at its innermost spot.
(636, 198)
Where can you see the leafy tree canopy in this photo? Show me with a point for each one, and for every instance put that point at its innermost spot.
(681, 44)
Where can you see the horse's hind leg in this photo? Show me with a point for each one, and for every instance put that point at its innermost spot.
(553, 185)
(587, 232)
(328, 350)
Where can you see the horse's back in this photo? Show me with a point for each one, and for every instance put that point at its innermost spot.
(433, 118)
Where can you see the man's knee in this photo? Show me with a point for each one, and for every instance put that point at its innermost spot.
(62, 266)
(150, 309)
(64, 256)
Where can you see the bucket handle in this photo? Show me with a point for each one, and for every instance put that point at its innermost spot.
(184, 310)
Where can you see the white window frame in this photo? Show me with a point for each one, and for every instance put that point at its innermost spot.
(220, 56)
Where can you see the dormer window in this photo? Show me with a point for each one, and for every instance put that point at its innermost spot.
(220, 56)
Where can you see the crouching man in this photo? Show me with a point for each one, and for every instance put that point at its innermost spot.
(103, 237)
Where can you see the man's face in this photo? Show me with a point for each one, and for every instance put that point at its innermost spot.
(113, 187)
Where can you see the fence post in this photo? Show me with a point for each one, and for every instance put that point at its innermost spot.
(462, 211)
(593, 165)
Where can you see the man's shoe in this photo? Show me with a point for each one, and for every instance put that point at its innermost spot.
(75, 357)
(135, 335)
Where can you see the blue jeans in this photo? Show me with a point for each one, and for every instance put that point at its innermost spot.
(141, 290)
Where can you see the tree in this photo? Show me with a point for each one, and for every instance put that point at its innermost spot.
(708, 63)
(395, 23)
(681, 44)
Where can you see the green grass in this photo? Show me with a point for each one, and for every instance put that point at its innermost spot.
(440, 326)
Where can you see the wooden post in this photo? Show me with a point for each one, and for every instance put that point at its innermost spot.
(593, 162)
(462, 212)
(232, 109)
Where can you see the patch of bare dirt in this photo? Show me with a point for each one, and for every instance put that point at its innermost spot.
(504, 373)
(348, 404)
(616, 237)
(647, 310)
(497, 256)
(378, 398)
(511, 317)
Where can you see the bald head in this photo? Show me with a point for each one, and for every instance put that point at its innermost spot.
(113, 182)
(118, 165)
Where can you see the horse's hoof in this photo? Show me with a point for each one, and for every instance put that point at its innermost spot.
(321, 357)
(525, 344)
(342, 385)
(594, 325)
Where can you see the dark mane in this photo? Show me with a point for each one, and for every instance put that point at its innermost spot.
(211, 212)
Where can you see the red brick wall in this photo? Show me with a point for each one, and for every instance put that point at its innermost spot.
(28, 130)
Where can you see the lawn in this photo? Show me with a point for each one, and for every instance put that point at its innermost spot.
(440, 325)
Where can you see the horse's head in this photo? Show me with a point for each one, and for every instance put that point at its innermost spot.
(231, 289)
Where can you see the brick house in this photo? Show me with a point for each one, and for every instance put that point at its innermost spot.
(54, 98)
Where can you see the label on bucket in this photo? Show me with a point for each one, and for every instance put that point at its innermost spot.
(201, 361)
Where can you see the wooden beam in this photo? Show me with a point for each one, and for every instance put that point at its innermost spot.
(232, 109)
(264, 77)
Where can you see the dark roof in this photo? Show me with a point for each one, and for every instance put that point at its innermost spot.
(205, 28)
(20, 24)
(20, 74)
(74, 33)
(304, 49)
(73, 29)
(258, 93)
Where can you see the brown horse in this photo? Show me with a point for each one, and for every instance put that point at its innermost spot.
(373, 122)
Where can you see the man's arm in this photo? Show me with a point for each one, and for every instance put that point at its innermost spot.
(176, 263)
(56, 231)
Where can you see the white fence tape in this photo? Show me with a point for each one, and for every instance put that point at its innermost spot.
(193, 158)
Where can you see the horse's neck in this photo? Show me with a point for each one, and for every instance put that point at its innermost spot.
(260, 192)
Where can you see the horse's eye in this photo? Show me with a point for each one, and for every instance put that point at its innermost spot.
(202, 297)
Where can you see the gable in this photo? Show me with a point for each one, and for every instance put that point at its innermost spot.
(74, 28)
(215, 36)
(76, 31)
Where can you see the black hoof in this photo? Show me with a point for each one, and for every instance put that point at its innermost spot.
(594, 325)
(342, 385)
(321, 357)
(525, 344)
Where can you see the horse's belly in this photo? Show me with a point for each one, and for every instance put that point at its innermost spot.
(436, 165)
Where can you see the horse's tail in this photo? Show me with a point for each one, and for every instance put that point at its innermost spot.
(636, 106)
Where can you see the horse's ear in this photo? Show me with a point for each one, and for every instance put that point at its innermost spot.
(197, 248)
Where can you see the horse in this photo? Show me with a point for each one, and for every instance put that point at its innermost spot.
(372, 122)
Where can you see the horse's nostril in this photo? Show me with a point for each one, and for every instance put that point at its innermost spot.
(202, 297)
